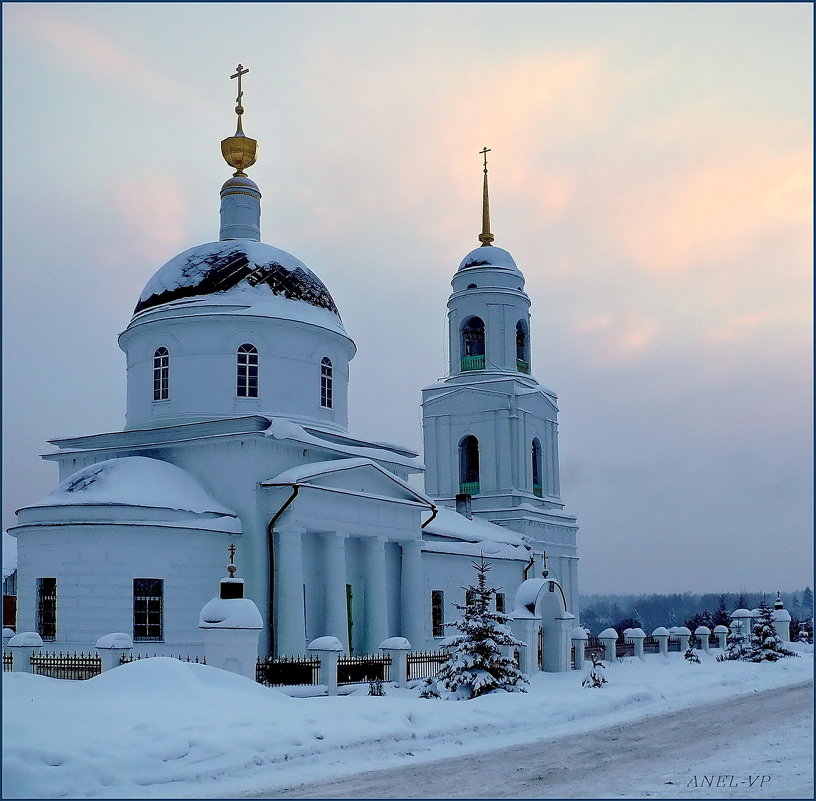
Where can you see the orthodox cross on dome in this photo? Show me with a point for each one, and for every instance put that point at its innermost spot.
(239, 151)
(231, 566)
(486, 238)
(239, 109)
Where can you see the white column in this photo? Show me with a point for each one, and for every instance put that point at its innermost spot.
(290, 622)
(335, 611)
(412, 612)
(376, 598)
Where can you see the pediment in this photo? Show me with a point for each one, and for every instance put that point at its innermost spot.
(356, 476)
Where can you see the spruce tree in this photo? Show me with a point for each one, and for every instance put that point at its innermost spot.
(736, 645)
(766, 645)
(475, 665)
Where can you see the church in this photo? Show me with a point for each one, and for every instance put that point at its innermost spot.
(236, 432)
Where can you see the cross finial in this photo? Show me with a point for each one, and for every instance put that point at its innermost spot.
(232, 549)
(545, 572)
(239, 109)
(486, 238)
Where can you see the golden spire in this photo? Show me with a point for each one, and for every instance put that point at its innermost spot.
(486, 238)
(239, 151)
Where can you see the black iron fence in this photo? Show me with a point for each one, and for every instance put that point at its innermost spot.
(674, 643)
(8, 661)
(423, 664)
(126, 658)
(287, 670)
(651, 645)
(624, 649)
(363, 667)
(66, 666)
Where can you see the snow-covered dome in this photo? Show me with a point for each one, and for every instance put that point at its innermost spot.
(135, 481)
(216, 267)
(490, 256)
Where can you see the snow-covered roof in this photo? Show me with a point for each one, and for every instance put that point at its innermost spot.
(449, 523)
(135, 481)
(302, 474)
(284, 428)
(489, 256)
(216, 267)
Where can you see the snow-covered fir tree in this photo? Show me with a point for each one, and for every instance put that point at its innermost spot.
(690, 656)
(736, 645)
(595, 677)
(475, 665)
(766, 645)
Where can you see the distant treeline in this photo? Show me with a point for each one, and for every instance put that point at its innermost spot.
(650, 611)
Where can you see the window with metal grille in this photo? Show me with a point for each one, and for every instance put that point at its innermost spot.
(247, 377)
(500, 602)
(148, 609)
(537, 485)
(47, 608)
(438, 613)
(161, 374)
(326, 382)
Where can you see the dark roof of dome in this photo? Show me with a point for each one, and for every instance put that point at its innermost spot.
(218, 266)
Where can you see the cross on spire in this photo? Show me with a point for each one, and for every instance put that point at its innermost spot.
(486, 238)
(240, 70)
(232, 549)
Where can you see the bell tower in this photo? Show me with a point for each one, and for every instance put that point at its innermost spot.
(490, 430)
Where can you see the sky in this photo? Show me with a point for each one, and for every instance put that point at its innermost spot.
(651, 173)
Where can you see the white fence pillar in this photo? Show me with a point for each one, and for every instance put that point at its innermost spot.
(328, 650)
(111, 648)
(579, 639)
(636, 636)
(661, 634)
(23, 646)
(722, 636)
(609, 639)
(397, 648)
(703, 632)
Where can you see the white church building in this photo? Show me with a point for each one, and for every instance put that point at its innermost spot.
(237, 432)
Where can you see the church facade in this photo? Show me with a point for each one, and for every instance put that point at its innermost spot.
(237, 432)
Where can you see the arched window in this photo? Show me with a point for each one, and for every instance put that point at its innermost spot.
(326, 382)
(161, 374)
(473, 344)
(522, 348)
(469, 466)
(537, 486)
(247, 375)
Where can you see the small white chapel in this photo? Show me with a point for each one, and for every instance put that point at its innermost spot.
(237, 433)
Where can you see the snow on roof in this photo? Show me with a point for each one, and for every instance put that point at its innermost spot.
(218, 266)
(230, 613)
(489, 550)
(135, 481)
(284, 428)
(449, 523)
(489, 256)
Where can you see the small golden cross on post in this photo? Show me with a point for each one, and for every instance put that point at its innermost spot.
(232, 549)
(484, 153)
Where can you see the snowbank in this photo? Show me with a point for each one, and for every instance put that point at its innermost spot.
(163, 728)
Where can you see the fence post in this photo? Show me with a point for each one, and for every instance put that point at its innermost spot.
(24, 645)
(609, 638)
(685, 638)
(579, 638)
(397, 648)
(636, 636)
(329, 650)
(111, 648)
(703, 632)
(722, 635)
(661, 634)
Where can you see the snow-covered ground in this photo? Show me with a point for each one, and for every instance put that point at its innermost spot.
(164, 728)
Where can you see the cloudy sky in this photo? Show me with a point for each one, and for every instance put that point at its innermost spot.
(650, 173)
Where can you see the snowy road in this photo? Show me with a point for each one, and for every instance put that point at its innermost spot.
(757, 746)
